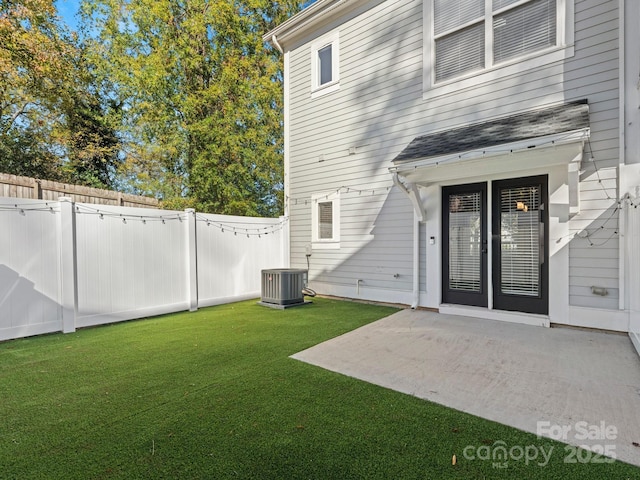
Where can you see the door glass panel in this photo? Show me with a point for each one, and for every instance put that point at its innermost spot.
(465, 242)
(520, 237)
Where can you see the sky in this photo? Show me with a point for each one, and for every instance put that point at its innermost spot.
(67, 10)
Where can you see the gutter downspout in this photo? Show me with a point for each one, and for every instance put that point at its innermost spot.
(274, 40)
(411, 191)
(416, 261)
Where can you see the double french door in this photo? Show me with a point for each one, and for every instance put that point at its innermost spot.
(517, 247)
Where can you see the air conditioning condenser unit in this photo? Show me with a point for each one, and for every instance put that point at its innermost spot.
(283, 287)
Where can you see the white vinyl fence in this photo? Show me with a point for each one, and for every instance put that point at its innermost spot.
(66, 265)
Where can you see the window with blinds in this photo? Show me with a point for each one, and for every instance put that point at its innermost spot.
(464, 242)
(526, 28)
(325, 220)
(520, 238)
(464, 44)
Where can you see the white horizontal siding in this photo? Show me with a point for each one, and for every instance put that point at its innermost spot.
(379, 109)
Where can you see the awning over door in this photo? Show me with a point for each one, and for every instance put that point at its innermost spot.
(533, 139)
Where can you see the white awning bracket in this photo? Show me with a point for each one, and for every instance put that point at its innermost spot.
(411, 190)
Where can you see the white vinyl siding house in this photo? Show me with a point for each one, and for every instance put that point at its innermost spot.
(391, 90)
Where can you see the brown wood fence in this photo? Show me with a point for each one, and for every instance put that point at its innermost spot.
(27, 187)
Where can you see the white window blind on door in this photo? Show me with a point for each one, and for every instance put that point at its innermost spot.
(520, 240)
(524, 29)
(464, 242)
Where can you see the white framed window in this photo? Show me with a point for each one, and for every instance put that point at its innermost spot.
(325, 65)
(476, 41)
(325, 221)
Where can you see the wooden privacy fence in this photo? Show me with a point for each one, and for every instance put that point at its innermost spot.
(26, 187)
(66, 265)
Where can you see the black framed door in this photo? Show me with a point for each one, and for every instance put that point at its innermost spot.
(464, 245)
(520, 257)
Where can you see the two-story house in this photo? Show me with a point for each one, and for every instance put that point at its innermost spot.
(479, 157)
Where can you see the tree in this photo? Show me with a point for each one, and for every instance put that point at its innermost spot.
(89, 129)
(54, 123)
(32, 62)
(201, 98)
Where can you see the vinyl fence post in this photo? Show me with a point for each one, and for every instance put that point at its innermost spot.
(68, 270)
(192, 260)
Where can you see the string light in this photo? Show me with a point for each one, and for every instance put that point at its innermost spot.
(246, 228)
(586, 234)
(343, 189)
(102, 214)
(595, 165)
(22, 208)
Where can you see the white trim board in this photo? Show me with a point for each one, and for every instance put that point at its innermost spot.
(500, 315)
(615, 320)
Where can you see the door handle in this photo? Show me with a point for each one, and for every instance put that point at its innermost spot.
(541, 235)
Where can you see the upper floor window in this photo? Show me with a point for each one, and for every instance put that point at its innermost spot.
(475, 41)
(325, 71)
(325, 65)
(472, 35)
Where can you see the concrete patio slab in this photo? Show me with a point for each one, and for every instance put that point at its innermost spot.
(541, 380)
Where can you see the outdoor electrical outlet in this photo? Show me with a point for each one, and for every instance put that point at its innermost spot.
(308, 250)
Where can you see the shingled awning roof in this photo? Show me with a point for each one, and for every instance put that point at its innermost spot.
(515, 128)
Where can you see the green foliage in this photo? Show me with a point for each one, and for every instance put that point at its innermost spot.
(91, 141)
(202, 105)
(33, 60)
(176, 99)
(53, 121)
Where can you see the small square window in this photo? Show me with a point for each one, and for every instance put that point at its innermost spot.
(325, 218)
(325, 75)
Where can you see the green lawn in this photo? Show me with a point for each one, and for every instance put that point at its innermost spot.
(213, 394)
